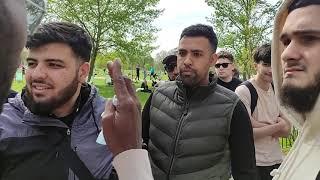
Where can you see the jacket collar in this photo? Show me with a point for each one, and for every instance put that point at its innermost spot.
(196, 93)
(32, 119)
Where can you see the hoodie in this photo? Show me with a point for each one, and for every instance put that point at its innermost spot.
(302, 162)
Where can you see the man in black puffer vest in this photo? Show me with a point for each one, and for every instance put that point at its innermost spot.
(198, 128)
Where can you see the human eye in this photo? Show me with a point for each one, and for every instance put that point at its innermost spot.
(182, 53)
(266, 64)
(31, 64)
(307, 39)
(55, 65)
(286, 41)
(197, 54)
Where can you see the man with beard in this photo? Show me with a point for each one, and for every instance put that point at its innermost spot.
(121, 122)
(268, 123)
(296, 70)
(49, 131)
(198, 128)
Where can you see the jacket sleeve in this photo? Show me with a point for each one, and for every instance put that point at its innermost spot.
(146, 121)
(243, 161)
(133, 164)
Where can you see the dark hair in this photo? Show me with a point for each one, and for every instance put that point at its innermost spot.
(302, 3)
(62, 32)
(201, 30)
(226, 55)
(170, 59)
(263, 53)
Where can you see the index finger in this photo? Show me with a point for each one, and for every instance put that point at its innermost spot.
(120, 87)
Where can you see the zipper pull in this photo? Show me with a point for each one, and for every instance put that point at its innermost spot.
(68, 132)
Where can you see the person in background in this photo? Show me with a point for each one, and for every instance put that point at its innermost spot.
(224, 69)
(170, 66)
(138, 72)
(267, 121)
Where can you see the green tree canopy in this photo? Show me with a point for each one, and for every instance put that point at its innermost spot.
(124, 26)
(242, 25)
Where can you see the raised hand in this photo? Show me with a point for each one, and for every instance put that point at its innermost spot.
(121, 121)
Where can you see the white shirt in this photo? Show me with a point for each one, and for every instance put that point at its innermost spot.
(133, 164)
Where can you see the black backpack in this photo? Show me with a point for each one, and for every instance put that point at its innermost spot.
(254, 94)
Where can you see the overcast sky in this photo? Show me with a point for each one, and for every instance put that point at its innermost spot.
(177, 15)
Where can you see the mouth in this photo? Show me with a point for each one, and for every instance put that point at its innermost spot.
(292, 70)
(39, 88)
(186, 72)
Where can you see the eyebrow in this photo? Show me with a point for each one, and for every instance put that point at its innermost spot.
(196, 50)
(300, 33)
(47, 60)
(54, 60)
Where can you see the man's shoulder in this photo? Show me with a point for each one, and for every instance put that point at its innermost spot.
(166, 86)
(11, 122)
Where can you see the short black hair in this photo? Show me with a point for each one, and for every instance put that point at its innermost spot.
(62, 32)
(302, 3)
(201, 30)
(225, 55)
(170, 59)
(263, 53)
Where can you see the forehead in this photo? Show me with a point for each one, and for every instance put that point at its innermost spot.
(223, 60)
(58, 51)
(305, 18)
(194, 43)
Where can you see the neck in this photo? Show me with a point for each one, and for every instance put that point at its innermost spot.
(226, 79)
(68, 107)
(262, 83)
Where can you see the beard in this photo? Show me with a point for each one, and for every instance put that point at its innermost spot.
(44, 108)
(190, 80)
(301, 99)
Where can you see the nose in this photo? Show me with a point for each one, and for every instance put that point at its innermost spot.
(291, 52)
(39, 72)
(187, 60)
(175, 70)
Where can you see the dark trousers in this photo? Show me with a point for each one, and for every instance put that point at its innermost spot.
(264, 171)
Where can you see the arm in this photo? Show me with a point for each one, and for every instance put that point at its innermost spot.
(268, 130)
(243, 161)
(260, 130)
(285, 130)
(122, 129)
